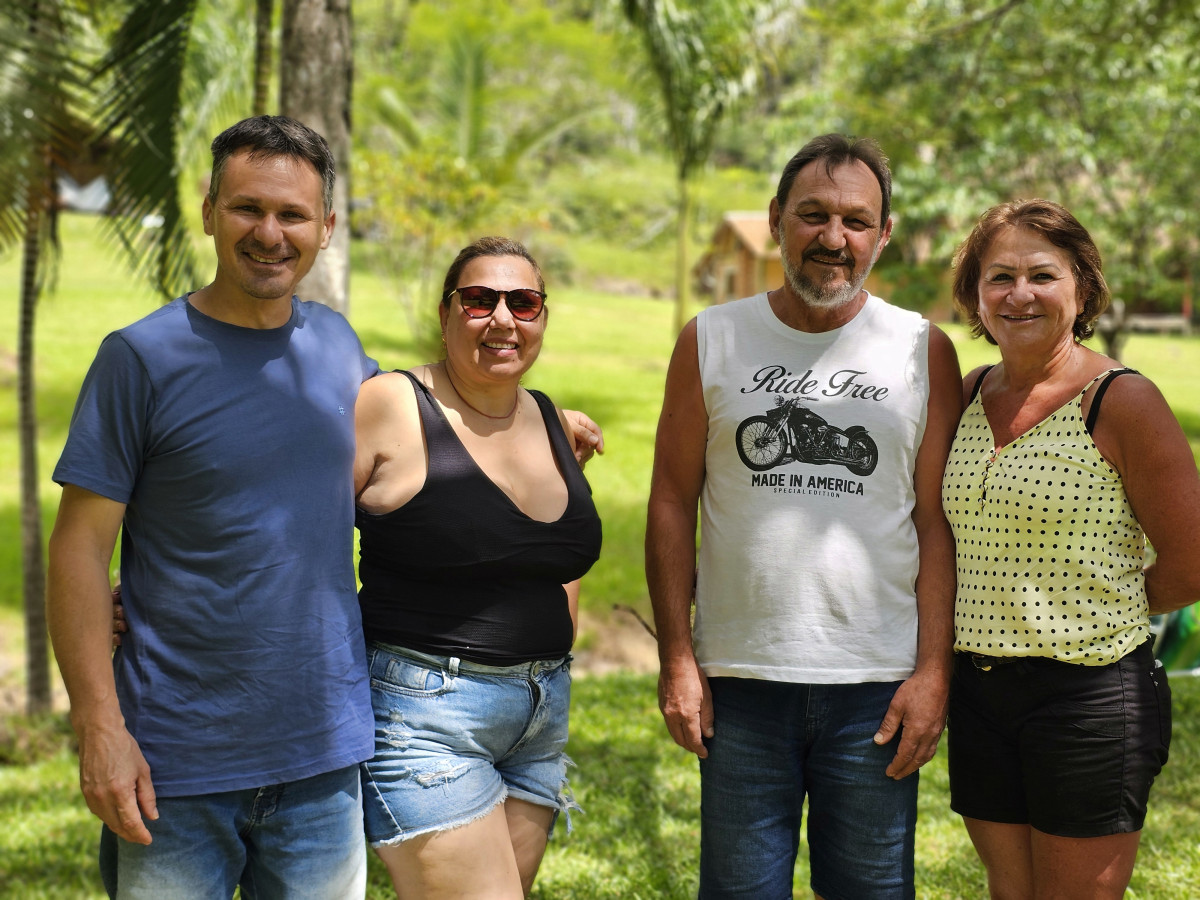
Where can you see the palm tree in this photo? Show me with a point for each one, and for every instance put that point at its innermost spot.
(42, 87)
(263, 12)
(704, 60)
(138, 114)
(46, 121)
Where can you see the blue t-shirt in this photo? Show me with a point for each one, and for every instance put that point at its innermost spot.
(233, 451)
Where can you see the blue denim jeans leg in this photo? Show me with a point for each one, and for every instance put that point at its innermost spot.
(301, 839)
(776, 743)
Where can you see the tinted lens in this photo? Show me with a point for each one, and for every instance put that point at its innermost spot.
(524, 304)
(479, 301)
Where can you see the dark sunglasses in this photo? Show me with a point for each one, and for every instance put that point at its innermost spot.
(479, 301)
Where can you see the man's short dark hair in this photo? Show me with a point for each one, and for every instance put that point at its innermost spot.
(836, 150)
(267, 136)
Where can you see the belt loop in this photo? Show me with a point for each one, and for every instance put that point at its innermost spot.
(454, 661)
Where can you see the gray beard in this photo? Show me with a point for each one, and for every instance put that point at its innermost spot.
(820, 296)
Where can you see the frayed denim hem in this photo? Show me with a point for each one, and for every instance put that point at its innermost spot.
(437, 829)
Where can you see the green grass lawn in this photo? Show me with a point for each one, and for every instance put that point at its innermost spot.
(639, 835)
(607, 355)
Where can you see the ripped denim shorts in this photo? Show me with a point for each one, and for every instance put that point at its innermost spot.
(453, 739)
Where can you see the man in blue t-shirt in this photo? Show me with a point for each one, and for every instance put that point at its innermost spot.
(220, 745)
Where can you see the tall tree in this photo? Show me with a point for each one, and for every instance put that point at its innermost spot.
(41, 84)
(316, 79)
(263, 12)
(48, 120)
(704, 59)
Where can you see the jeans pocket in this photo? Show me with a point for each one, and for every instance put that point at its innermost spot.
(406, 676)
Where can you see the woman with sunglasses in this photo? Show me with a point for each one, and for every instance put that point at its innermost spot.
(476, 525)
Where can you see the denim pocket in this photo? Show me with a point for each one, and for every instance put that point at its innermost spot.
(390, 672)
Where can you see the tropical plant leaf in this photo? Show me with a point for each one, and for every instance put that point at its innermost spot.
(42, 93)
(138, 116)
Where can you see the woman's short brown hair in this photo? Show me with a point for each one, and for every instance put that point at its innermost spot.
(1056, 224)
(487, 246)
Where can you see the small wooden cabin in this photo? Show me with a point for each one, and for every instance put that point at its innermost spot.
(742, 259)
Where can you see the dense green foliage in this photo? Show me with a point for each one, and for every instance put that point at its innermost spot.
(1089, 104)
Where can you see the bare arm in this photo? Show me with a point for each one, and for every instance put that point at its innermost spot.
(390, 460)
(113, 774)
(919, 706)
(369, 410)
(572, 590)
(1139, 434)
(675, 487)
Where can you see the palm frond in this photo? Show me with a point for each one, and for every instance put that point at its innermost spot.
(42, 85)
(138, 116)
(704, 61)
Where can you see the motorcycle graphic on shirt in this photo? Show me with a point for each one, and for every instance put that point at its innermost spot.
(792, 431)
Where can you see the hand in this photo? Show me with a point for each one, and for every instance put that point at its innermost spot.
(918, 712)
(115, 780)
(686, 704)
(586, 435)
(119, 625)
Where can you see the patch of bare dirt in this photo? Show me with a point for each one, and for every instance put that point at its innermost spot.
(620, 641)
(12, 669)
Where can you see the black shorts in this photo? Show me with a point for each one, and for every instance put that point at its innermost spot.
(1071, 750)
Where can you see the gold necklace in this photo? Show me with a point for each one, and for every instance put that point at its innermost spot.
(507, 415)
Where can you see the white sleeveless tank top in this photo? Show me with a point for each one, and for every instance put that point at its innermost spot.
(808, 557)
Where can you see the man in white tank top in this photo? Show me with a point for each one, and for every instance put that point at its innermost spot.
(810, 426)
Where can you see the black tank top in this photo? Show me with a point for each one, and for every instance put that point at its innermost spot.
(459, 570)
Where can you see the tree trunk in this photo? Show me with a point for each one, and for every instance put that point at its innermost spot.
(316, 71)
(33, 570)
(262, 54)
(683, 214)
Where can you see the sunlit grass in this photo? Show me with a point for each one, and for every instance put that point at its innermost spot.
(639, 836)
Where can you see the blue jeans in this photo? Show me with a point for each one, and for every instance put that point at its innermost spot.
(302, 839)
(776, 742)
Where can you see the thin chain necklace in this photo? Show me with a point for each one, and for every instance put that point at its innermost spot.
(507, 415)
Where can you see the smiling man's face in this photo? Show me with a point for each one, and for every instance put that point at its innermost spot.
(830, 232)
(268, 223)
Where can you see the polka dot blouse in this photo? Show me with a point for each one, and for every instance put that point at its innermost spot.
(1049, 553)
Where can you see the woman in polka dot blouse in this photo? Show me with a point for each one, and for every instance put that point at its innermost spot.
(1060, 716)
